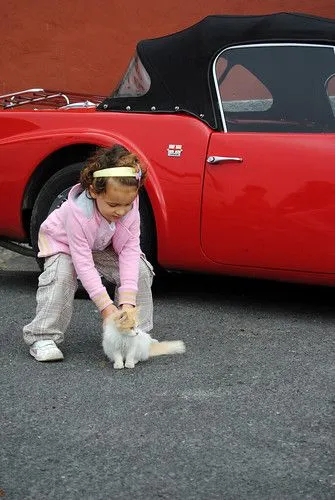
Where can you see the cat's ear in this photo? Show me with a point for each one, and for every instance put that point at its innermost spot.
(128, 319)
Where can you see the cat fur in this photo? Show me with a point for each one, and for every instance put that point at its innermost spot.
(125, 344)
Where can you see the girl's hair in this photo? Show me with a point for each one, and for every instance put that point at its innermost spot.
(117, 156)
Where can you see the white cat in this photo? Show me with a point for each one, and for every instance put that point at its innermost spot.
(125, 344)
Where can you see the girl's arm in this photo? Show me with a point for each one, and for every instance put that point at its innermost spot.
(129, 262)
(83, 262)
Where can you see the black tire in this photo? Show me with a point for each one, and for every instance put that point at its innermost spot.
(148, 229)
(54, 193)
(51, 196)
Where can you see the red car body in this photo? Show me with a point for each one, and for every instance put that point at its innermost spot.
(224, 198)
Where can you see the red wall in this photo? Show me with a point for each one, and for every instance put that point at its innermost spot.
(85, 45)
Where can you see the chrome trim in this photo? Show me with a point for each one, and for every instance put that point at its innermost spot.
(221, 159)
(247, 47)
(29, 96)
(21, 92)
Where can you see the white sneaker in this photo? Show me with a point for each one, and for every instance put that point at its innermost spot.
(46, 350)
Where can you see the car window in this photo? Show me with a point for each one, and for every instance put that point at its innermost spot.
(331, 92)
(276, 88)
(135, 82)
(241, 90)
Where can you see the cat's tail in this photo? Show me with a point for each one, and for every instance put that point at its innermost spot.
(166, 347)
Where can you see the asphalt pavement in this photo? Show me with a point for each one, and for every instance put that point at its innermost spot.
(246, 413)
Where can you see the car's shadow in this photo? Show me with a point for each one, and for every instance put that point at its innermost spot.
(213, 288)
(245, 291)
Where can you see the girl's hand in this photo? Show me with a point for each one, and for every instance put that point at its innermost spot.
(110, 310)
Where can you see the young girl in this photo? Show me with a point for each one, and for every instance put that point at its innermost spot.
(95, 232)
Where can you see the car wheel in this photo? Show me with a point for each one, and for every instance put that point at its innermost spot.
(148, 229)
(52, 195)
(55, 192)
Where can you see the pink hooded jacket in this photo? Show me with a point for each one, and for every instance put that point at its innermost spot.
(77, 228)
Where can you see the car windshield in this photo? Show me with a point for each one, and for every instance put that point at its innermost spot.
(136, 81)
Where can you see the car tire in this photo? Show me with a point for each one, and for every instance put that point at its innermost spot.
(148, 229)
(54, 193)
(51, 196)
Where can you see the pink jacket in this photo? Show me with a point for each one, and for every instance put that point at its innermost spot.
(77, 228)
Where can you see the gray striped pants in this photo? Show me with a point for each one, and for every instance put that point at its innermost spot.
(58, 283)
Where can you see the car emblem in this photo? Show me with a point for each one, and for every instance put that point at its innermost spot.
(174, 150)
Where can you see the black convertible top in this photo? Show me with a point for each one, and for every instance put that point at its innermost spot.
(179, 64)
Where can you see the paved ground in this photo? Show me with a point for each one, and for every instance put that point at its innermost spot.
(246, 413)
(10, 261)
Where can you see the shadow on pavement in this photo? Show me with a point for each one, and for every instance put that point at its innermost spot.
(214, 288)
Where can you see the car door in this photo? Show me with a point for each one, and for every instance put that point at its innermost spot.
(269, 183)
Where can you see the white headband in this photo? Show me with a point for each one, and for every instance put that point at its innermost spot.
(118, 172)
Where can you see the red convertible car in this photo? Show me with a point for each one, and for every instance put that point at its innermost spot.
(235, 117)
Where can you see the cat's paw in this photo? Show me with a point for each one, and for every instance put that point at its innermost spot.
(129, 364)
(118, 365)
